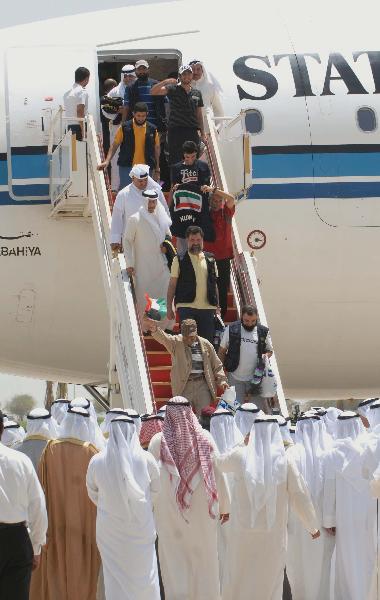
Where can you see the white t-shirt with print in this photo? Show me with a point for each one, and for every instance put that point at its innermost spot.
(248, 352)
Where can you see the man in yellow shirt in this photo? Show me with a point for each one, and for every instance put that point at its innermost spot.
(193, 286)
(139, 143)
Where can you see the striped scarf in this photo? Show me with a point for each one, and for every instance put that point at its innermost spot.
(186, 454)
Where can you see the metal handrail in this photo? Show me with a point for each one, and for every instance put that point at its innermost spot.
(129, 349)
(244, 280)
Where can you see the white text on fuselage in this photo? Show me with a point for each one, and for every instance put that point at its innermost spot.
(337, 69)
(20, 251)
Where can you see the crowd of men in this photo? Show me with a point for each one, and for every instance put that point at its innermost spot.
(236, 510)
(155, 506)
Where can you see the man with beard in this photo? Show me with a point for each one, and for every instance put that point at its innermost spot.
(140, 91)
(243, 347)
(129, 200)
(193, 285)
(139, 144)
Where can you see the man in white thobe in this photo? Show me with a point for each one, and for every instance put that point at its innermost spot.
(349, 508)
(95, 433)
(193, 497)
(245, 417)
(13, 433)
(370, 469)
(144, 235)
(208, 86)
(364, 408)
(59, 409)
(308, 564)
(129, 200)
(121, 482)
(226, 436)
(40, 428)
(265, 482)
(111, 414)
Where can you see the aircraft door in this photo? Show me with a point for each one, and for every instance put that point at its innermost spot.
(35, 80)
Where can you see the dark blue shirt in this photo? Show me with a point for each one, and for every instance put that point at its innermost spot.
(144, 95)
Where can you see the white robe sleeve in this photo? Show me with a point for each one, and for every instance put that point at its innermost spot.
(154, 474)
(37, 515)
(92, 488)
(329, 493)
(162, 199)
(299, 498)
(129, 241)
(117, 224)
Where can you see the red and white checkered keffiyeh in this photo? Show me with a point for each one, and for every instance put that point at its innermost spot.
(186, 453)
(150, 425)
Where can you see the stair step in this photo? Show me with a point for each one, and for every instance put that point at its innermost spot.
(160, 402)
(152, 345)
(158, 359)
(231, 315)
(160, 374)
(162, 389)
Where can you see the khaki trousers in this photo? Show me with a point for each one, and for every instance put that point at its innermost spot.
(198, 393)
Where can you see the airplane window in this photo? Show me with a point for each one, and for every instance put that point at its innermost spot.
(253, 121)
(367, 119)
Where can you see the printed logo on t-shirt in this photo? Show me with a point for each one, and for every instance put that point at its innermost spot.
(250, 340)
(186, 200)
(189, 175)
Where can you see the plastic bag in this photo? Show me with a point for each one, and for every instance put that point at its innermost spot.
(268, 383)
(228, 400)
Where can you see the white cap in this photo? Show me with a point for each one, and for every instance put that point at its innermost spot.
(142, 63)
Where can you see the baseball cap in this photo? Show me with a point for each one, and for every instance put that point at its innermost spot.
(184, 68)
(142, 63)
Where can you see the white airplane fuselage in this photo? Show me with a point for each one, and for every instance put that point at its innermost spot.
(313, 189)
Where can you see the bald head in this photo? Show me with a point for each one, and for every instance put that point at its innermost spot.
(109, 84)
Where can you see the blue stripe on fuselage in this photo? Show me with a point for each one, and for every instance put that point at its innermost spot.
(289, 191)
(320, 164)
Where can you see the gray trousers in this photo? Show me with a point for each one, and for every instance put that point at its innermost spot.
(242, 394)
(198, 393)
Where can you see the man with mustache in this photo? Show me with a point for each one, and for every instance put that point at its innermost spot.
(193, 285)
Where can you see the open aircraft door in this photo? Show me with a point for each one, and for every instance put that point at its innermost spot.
(35, 80)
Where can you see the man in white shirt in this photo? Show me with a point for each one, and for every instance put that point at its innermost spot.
(22, 505)
(75, 102)
(129, 200)
(243, 347)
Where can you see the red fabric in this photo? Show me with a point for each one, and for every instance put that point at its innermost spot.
(184, 451)
(222, 220)
(149, 428)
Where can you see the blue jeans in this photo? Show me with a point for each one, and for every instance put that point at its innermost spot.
(204, 319)
(125, 178)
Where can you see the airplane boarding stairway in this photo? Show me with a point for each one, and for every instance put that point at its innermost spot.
(139, 368)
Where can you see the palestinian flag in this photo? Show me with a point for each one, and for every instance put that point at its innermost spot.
(155, 308)
(187, 200)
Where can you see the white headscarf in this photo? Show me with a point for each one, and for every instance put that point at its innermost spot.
(13, 433)
(40, 422)
(365, 405)
(308, 452)
(140, 171)
(224, 430)
(96, 435)
(207, 84)
(245, 416)
(76, 425)
(349, 425)
(59, 409)
(133, 414)
(284, 429)
(373, 416)
(265, 469)
(330, 420)
(126, 464)
(158, 220)
(111, 414)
